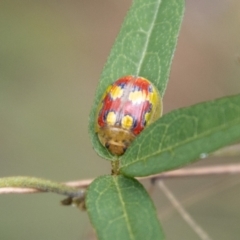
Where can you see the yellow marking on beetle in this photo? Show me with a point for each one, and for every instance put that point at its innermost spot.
(156, 111)
(148, 117)
(106, 92)
(127, 122)
(111, 118)
(137, 96)
(155, 97)
(116, 92)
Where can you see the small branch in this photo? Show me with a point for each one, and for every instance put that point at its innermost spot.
(11, 185)
(184, 214)
(33, 185)
(200, 171)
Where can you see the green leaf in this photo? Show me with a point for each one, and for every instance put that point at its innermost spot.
(120, 208)
(144, 47)
(181, 136)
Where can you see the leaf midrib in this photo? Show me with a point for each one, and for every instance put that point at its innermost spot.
(148, 34)
(179, 144)
(125, 215)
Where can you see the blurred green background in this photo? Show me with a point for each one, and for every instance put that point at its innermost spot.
(51, 56)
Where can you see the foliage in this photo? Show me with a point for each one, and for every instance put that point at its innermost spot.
(144, 47)
(118, 206)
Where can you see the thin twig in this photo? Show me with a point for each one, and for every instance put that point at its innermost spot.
(188, 172)
(200, 171)
(21, 184)
(214, 187)
(184, 214)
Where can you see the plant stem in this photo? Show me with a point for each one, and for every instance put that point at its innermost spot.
(42, 185)
(184, 214)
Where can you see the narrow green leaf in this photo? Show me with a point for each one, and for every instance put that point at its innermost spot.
(120, 208)
(180, 137)
(144, 47)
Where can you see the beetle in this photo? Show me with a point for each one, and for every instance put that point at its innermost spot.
(128, 105)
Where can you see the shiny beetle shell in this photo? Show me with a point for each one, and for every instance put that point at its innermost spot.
(127, 107)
